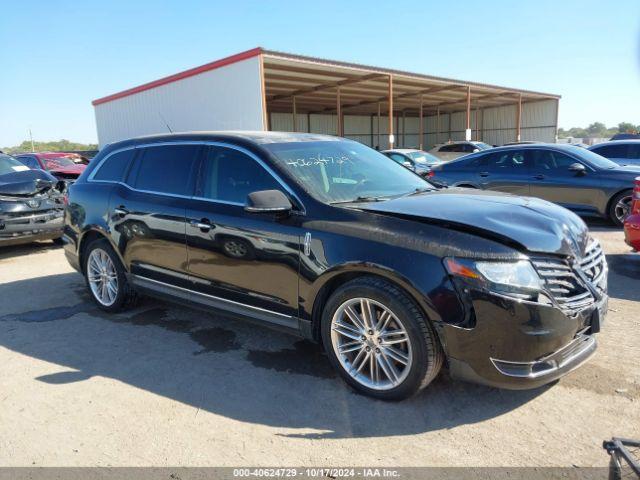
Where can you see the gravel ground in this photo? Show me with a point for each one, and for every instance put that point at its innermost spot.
(167, 386)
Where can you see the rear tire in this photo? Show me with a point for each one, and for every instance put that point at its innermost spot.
(391, 361)
(106, 278)
(620, 207)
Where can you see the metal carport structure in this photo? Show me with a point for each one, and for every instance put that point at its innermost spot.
(267, 90)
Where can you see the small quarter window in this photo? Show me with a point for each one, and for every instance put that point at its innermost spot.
(114, 167)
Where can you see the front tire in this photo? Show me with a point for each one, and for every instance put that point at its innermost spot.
(620, 207)
(379, 340)
(106, 278)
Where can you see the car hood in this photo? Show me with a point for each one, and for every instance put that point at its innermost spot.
(526, 223)
(26, 183)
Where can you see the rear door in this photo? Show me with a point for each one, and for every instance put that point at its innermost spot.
(244, 260)
(552, 179)
(147, 212)
(506, 171)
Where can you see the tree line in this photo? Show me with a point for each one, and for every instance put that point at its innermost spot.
(598, 130)
(53, 146)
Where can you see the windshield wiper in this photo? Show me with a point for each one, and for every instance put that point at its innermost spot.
(360, 199)
(416, 191)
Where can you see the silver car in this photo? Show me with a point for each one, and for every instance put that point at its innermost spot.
(453, 150)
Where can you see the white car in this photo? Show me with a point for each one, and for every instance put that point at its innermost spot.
(453, 150)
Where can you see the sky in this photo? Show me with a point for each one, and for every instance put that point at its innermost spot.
(57, 56)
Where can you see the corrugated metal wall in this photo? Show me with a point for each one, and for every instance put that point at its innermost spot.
(495, 125)
(227, 98)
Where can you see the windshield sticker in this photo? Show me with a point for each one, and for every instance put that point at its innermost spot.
(19, 168)
(319, 160)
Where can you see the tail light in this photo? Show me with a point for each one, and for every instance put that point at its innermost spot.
(431, 174)
(635, 205)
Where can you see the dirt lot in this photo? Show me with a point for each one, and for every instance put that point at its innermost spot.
(167, 386)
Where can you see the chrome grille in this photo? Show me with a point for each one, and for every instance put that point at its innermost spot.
(565, 284)
(593, 264)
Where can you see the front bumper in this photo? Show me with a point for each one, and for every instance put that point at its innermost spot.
(518, 344)
(30, 226)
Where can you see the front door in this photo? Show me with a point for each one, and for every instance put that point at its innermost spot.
(238, 259)
(553, 180)
(147, 213)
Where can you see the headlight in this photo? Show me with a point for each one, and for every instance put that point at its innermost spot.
(518, 278)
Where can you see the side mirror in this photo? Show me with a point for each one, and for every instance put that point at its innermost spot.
(578, 168)
(268, 201)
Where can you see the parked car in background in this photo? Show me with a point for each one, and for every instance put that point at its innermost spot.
(626, 136)
(573, 177)
(415, 160)
(623, 152)
(453, 150)
(61, 165)
(31, 204)
(335, 242)
(632, 222)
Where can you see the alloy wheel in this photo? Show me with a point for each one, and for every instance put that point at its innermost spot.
(371, 343)
(623, 208)
(102, 277)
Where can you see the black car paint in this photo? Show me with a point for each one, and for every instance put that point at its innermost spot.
(31, 207)
(297, 259)
(587, 193)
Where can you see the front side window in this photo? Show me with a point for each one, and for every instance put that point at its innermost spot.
(164, 169)
(343, 171)
(230, 175)
(548, 161)
(114, 168)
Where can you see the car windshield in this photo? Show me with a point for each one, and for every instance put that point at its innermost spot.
(345, 171)
(423, 157)
(53, 163)
(482, 145)
(593, 158)
(9, 165)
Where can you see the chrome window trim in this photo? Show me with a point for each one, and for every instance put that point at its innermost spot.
(238, 148)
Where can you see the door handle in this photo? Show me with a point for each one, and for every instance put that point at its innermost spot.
(121, 211)
(203, 225)
(484, 174)
(539, 176)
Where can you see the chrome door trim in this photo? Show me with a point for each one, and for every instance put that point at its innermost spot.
(213, 297)
(213, 143)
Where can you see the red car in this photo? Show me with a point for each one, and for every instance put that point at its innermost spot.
(632, 222)
(60, 165)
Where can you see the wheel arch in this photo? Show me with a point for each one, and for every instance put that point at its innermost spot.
(89, 236)
(614, 195)
(333, 279)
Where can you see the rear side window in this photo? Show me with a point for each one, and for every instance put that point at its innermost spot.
(30, 162)
(510, 161)
(450, 148)
(115, 166)
(164, 169)
(612, 151)
(230, 175)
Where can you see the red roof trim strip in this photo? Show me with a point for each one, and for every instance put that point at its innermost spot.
(179, 76)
